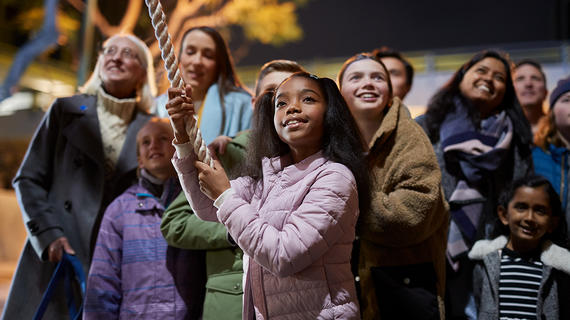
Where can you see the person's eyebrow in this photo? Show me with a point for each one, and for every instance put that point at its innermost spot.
(310, 90)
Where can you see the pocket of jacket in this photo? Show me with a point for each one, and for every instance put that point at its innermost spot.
(406, 292)
(230, 282)
(223, 297)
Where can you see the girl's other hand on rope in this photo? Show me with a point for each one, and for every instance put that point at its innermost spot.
(213, 181)
(180, 109)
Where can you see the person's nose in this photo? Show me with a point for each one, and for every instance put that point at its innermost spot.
(117, 55)
(367, 83)
(293, 107)
(154, 144)
(487, 76)
(529, 216)
(197, 59)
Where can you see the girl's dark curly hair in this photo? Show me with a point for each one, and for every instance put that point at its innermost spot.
(341, 138)
(442, 103)
(559, 236)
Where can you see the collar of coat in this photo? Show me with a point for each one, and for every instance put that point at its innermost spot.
(552, 255)
(389, 123)
(145, 200)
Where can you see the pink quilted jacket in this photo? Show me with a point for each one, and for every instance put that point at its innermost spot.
(297, 226)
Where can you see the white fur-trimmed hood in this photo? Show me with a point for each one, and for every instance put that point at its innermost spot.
(482, 248)
(552, 255)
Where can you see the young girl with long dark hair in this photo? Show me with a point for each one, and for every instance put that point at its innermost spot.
(294, 213)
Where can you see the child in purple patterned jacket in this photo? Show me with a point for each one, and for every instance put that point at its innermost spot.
(134, 273)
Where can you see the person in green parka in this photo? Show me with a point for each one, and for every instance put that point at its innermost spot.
(182, 229)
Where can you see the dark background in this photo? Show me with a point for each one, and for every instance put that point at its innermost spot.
(337, 28)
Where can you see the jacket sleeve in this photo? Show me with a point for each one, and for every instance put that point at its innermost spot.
(202, 206)
(103, 295)
(328, 212)
(33, 180)
(235, 153)
(183, 229)
(409, 206)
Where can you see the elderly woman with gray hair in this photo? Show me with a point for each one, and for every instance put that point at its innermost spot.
(81, 157)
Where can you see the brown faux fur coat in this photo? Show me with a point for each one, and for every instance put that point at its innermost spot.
(408, 218)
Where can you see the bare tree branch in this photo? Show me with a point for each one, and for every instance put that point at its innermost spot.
(127, 23)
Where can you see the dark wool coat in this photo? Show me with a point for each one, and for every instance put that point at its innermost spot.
(62, 192)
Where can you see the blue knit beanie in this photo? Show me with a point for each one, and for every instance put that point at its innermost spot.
(562, 87)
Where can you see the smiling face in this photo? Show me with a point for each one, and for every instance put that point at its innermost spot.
(398, 76)
(154, 146)
(529, 218)
(122, 71)
(198, 61)
(300, 107)
(365, 89)
(484, 84)
(529, 85)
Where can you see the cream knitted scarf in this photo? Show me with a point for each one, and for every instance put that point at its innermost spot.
(114, 118)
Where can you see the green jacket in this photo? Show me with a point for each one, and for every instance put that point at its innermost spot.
(183, 229)
(235, 151)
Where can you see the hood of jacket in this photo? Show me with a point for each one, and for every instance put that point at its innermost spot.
(552, 255)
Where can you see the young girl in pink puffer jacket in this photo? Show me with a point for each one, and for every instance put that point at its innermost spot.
(294, 211)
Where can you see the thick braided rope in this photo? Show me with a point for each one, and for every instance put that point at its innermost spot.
(171, 65)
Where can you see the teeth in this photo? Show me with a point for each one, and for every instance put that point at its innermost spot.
(528, 230)
(367, 95)
(292, 122)
(484, 88)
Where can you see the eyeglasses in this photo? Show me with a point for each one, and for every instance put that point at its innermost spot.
(125, 53)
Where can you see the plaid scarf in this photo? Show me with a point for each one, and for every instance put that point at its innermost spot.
(476, 153)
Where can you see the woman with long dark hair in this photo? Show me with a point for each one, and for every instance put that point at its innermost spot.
(482, 141)
(222, 103)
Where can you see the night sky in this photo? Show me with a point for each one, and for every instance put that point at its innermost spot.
(337, 28)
